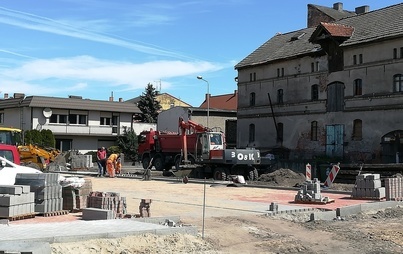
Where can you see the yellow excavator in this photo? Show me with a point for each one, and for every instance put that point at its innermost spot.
(30, 155)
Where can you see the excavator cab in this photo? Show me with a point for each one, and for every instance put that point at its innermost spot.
(206, 142)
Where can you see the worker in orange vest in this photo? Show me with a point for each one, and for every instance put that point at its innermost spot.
(113, 164)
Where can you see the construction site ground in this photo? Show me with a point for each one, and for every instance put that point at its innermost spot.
(236, 220)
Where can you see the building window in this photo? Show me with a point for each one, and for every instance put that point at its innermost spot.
(254, 76)
(252, 98)
(280, 96)
(314, 92)
(251, 133)
(361, 59)
(250, 77)
(317, 66)
(58, 118)
(280, 132)
(77, 119)
(335, 97)
(105, 121)
(314, 131)
(354, 59)
(395, 53)
(312, 67)
(1, 117)
(401, 52)
(357, 129)
(278, 72)
(398, 83)
(357, 87)
(282, 72)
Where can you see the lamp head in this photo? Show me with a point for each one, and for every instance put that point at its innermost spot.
(199, 77)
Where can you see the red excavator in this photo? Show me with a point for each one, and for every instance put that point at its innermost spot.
(198, 147)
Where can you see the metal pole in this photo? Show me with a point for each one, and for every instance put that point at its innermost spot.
(204, 206)
(208, 98)
(208, 103)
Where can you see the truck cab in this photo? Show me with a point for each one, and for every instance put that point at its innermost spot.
(11, 153)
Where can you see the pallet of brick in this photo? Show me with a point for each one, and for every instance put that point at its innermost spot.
(394, 188)
(16, 202)
(108, 201)
(368, 186)
(47, 190)
(74, 197)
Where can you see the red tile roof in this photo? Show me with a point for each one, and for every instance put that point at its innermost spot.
(225, 101)
(337, 30)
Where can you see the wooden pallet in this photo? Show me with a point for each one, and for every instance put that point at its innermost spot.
(314, 202)
(21, 217)
(55, 213)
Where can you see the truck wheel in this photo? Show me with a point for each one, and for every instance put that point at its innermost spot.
(146, 162)
(159, 163)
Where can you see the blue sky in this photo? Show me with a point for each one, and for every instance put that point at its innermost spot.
(94, 48)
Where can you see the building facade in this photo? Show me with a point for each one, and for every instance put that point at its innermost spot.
(77, 124)
(334, 89)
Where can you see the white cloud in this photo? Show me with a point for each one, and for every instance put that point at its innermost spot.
(47, 76)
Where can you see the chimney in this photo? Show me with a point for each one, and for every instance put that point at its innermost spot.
(362, 9)
(111, 97)
(19, 95)
(338, 6)
(120, 99)
(6, 96)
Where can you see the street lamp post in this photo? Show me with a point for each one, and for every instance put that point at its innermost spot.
(208, 98)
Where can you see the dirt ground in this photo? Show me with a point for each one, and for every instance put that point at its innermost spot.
(231, 226)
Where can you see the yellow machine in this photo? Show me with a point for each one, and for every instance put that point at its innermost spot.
(30, 155)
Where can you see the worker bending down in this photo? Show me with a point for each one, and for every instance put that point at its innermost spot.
(113, 164)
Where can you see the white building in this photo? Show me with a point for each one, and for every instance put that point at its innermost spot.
(77, 124)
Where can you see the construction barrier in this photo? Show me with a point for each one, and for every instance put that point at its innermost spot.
(308, 172)
(332, 175)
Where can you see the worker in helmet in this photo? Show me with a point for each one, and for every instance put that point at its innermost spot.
(113, 164)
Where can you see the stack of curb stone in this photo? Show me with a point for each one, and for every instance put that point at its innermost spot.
(16, 201)
(368, 186)
(108, 201)
(394, 188)
(48, 191)
(76, 198)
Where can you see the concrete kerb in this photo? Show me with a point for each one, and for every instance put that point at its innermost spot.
(328, 215)
(25, 247)
(354, 209)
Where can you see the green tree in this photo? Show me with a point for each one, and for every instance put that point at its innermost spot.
(44, 138)
(48, 139)
(33, 137)
(148, 105)
(128, 143)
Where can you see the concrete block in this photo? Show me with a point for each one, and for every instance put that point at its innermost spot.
(348, 210)
(374, 177)
(328, 215)
(97, 214)
(373, 184)
(380, 193)
(11, 189)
